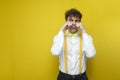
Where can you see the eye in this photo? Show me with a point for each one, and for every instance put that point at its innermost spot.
(76, 20)
(70, 19)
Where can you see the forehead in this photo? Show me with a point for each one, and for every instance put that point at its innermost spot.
(73, 17)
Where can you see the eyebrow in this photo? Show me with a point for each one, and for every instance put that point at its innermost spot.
(70, 19)
(75, 20)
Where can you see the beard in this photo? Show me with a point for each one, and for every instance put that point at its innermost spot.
(73, 29)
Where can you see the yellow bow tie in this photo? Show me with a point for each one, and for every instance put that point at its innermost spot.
(74, 35)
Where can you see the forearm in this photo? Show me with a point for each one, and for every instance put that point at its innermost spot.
(89, 46)
(57, 46)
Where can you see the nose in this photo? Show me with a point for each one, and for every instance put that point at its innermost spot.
(73, 22)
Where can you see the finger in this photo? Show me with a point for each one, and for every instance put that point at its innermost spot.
(78, 25)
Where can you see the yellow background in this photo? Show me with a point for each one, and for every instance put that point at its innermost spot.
(27, 28)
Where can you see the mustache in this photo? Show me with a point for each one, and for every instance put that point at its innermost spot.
(73, 26)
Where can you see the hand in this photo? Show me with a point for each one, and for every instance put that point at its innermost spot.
(65, 26)
(79, 25)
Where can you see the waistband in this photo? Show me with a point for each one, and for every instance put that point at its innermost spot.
(73, 76)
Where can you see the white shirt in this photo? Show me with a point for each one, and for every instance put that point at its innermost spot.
(73, 52)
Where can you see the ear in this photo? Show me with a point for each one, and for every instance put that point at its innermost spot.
(80, 20)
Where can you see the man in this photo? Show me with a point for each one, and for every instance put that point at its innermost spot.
(73, 46)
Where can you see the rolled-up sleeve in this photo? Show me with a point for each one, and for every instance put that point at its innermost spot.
(58, 43)
(88, 45)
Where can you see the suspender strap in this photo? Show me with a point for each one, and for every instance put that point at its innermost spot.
(80, 50)
(65, 53)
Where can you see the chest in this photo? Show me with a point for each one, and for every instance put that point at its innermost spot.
(73, 45)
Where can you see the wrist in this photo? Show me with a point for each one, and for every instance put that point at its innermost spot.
(84, 31)
(62, 29)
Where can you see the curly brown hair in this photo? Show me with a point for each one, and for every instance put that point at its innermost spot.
(73, 12)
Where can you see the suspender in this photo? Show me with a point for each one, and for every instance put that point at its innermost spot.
(65, 52)
(80, 51)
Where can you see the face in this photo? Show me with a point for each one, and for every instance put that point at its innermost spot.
(73, 21)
